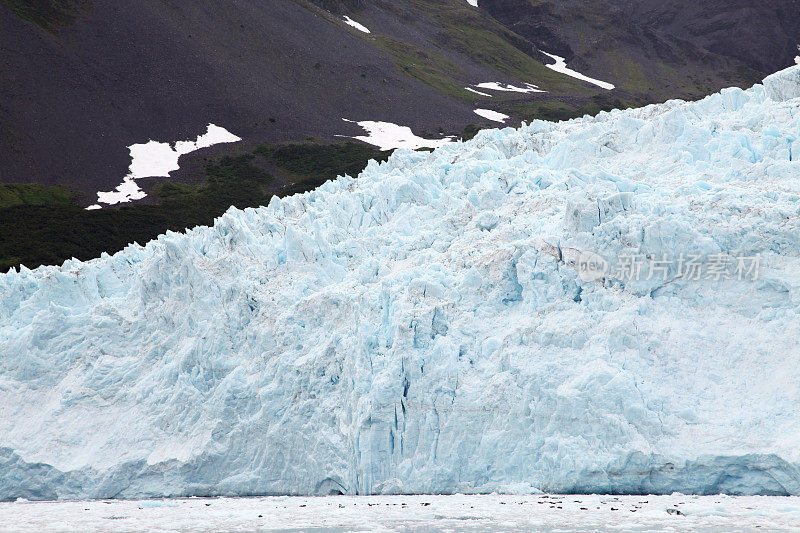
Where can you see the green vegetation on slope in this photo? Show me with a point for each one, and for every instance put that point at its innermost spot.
(45, 226)
(34, 194)
(467, 30)
(307, 166)
(555, 110)
(427, 66)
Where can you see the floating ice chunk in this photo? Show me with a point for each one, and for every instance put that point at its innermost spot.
(561, 66)
(491, 115)
(356, 25)
(516, 507)
(473, 3)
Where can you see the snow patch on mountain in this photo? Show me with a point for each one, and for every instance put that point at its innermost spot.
(388, 136)
(425, 328)
(507, 87)
(470, 89)
(356, 25)
(561, 66)
(158, 159)
(495, 116)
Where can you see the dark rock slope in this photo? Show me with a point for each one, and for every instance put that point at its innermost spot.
(125, 72)
(659, 49)
(80, 80)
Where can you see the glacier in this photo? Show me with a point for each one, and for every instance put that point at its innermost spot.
(423, 328)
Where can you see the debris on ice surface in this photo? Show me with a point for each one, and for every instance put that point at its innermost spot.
(425, 327)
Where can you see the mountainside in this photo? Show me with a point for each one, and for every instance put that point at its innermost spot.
(661, 49)
(607, 304)
(76, 97)
(82, 81)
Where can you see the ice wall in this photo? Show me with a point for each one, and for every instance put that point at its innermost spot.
(427, 327)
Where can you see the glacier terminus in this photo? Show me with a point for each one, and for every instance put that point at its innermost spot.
(424, 327)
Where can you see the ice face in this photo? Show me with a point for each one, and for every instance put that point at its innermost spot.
(448, 322)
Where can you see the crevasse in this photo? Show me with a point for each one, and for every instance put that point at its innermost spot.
(424, 327)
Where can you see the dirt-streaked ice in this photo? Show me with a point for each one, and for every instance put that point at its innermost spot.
(423, 328)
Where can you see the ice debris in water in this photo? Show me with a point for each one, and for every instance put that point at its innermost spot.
(424, 328)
